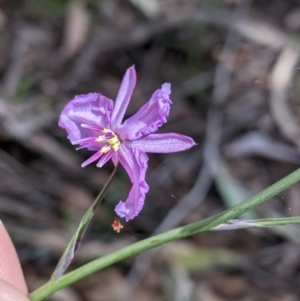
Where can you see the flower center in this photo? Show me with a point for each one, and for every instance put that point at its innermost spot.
(107, 141)
(104, 141)
(111, 138)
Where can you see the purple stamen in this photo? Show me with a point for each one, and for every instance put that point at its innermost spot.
(85, 140)
(108, 136)
(92, 127)
(93, 158)
(81, 147)
(105, 158)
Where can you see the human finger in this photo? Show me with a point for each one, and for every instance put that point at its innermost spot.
(9, 292)
(10, 268)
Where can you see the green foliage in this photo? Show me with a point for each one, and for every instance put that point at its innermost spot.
(24, 87)
(56, 8)
(202, 260)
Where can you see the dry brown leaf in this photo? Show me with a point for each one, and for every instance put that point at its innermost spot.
(77, 26)
(149, 8)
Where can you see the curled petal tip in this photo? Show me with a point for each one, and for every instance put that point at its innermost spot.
(135, 164)
(166, 88)
(149, 118)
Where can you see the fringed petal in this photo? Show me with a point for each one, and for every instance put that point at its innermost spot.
(149, 118)
(92, 109)
(135, 164)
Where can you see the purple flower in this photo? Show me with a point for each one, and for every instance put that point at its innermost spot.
(94, 122)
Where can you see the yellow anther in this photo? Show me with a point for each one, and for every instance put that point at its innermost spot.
(100, 139)
(114, 140)
(105, 149)
(116, 146)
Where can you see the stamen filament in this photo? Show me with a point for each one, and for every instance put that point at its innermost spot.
(92, 127)
(93, 158)
(85, 140)
(107, 143)
(106, 157)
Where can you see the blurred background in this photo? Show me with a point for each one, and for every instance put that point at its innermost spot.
(234, 70)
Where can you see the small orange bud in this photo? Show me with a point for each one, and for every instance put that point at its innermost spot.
(117, 226)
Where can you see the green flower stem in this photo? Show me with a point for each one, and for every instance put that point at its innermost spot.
(270, 222)
(204, 225)
(236, 224)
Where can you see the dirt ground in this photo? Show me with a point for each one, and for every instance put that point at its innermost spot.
(234, 70)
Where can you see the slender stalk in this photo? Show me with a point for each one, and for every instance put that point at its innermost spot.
(236, 224)
(104, 189)
(270, 222)
(77, 237)
(204, 225)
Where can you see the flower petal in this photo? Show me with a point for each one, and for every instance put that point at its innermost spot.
(91, 109)
(149, 118)
(123, 98)
(135, 164)
(162, 143)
